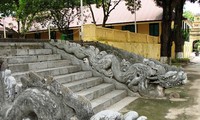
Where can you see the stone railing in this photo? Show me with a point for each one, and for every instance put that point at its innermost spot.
(148, 78)
(142, 44)
(46, 99)
(22, 40)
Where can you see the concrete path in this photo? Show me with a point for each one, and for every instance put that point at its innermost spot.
(193, 71)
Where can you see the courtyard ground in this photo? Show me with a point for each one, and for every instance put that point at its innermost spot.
(187, 107)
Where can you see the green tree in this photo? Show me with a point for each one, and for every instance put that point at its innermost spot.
(178, 32)
(89, 4)
(166, 38)
(63, 13)
(24, 11)
(189, 15)
(179, 35)
(108, 6)
(6, 7)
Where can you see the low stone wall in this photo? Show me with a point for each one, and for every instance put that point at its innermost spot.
(22, 40)
(147, 77)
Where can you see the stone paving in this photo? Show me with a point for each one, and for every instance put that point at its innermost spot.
(193, 69)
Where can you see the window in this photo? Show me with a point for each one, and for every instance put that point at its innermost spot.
(53, 34)
(111, 27)
(130, 28)
(37, 35)
(154, 29)
(9, 36)
(70, 35)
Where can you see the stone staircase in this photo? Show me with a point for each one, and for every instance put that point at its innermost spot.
(25, 57)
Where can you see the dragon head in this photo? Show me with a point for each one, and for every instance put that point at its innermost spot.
(172, 78)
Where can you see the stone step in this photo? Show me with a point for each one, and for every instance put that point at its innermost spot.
(121, 104)
(22, 52)
(50, 71)
(96, 91)
(31, 59)
(73, 77)
(107, 100)
(84, 84)
(21, 45)
(38, 65)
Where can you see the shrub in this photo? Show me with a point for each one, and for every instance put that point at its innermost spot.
(181, 60)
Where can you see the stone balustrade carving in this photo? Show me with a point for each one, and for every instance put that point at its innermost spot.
(148, 78)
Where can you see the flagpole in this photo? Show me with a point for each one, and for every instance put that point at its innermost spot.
(4, 28)
(135, 16)
(81, 33)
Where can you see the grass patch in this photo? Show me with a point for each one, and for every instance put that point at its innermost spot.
(157, 109)
(154, 109)
(180, 61)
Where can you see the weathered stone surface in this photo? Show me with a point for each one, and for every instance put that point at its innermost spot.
(46, 99)
(107, 115)
(113, 115)
(132, 115)
(149, 77)
(142, 118)
(10, 84)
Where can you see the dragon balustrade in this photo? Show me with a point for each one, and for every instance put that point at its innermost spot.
(46, 99)
(149, 78)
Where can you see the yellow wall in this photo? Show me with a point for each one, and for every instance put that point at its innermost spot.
(129, 41)
(173, 50)
(142, 44)
(187, 50)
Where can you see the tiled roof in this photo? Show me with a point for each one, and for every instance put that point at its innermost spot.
(10, 22)
(148, 12)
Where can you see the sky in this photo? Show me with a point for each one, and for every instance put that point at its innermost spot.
(193, 7)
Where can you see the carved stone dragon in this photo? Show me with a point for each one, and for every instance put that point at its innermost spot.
(148, 78)
(45, 99)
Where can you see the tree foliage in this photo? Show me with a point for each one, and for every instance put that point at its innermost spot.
(63, 13)
(6, 7)
(26, 12)
(23, 10)
(109, 5)
(176, 10)
(189, 15)
(133, 5)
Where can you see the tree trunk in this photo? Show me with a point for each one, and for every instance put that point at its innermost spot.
(18, 24)
(104, 21)
(178, 38)
(166, 31)
(92, 12)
